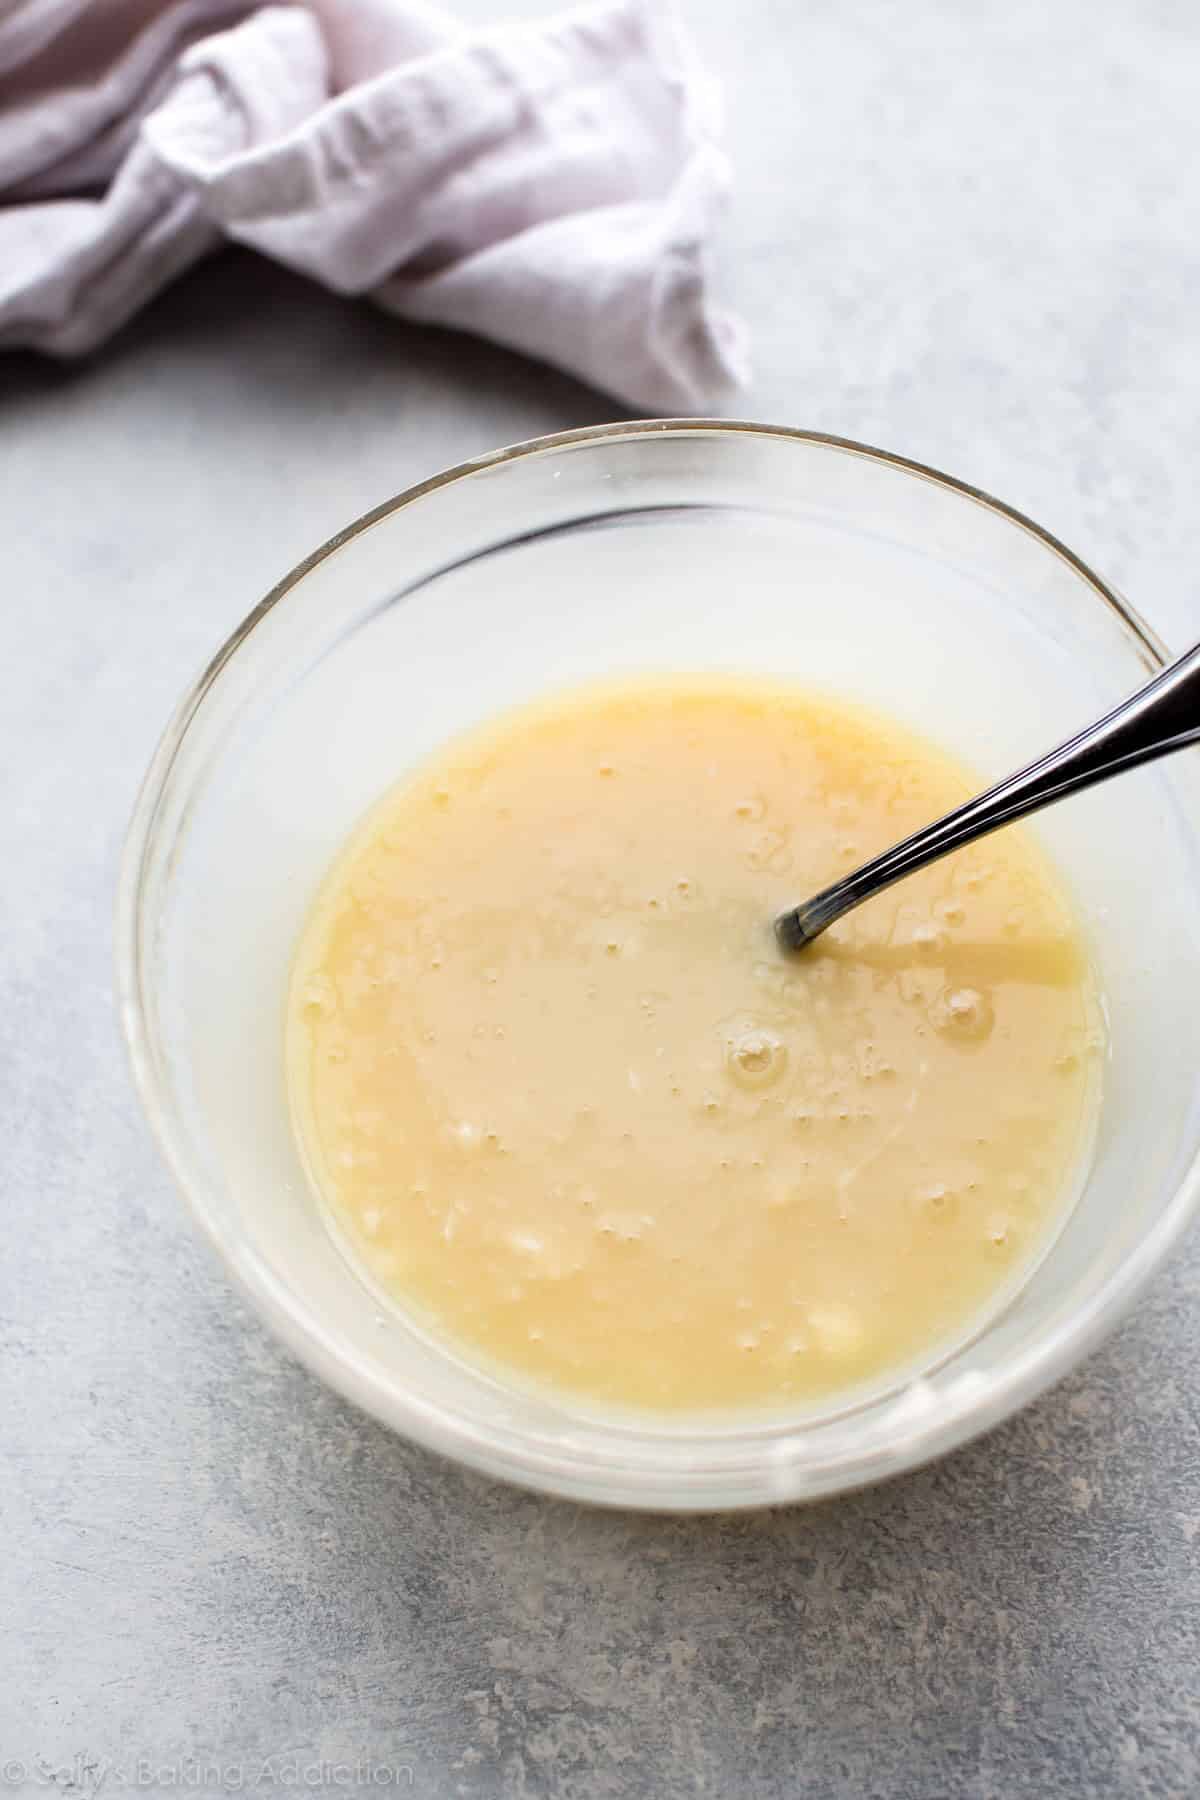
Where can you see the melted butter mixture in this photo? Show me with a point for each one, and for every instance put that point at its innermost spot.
(576, 1111)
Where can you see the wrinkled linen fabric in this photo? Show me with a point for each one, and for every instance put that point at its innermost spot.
(554, 186)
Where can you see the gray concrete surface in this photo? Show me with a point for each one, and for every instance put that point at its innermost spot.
(969, 233)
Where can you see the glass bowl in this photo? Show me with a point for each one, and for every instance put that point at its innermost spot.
(681, 544)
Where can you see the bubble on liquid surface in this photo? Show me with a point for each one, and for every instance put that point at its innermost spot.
(965, 1015)
(1001, 1238)
(320, 998)
(755, 1057)
(936, 1202)
(873, 1065)
(623, 1227)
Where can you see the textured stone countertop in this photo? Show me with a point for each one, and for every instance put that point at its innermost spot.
(971, 234)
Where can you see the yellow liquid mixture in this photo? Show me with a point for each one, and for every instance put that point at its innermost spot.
(574, 1109)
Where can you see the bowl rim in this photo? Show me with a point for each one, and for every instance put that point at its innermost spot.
(571, 1474)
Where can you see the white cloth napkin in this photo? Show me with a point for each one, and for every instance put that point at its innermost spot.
(553, 186)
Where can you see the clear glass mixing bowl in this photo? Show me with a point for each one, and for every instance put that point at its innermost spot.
(685, 544)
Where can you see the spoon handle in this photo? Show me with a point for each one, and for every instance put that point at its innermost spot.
(1161, 717)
